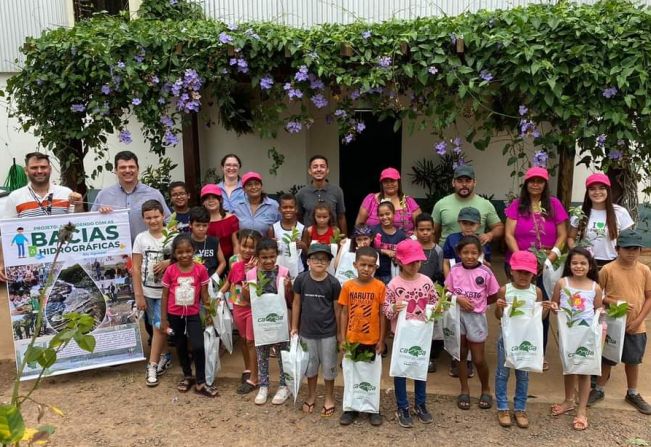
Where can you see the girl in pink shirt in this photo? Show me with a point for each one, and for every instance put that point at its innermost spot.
(184, 282)
(475, 287)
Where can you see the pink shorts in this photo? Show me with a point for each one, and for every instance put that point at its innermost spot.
(243, 321)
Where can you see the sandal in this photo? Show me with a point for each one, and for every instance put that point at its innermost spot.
(545, 366)
(562, 408)
(207, 391)
(580, 423)
(485, 401)
(184, 385)
(327, 412)
(246, 388)
(463, 401)
(308, 407)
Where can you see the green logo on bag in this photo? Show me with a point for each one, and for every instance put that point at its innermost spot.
(415, 351)
(349, 274)
(448, 332)
(288, 377)
(365, 386)
(525, 346)
(271, 318)
(582, 351)
(610, 340)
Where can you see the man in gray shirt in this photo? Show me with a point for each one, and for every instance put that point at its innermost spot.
(320, 191)
(128, 193)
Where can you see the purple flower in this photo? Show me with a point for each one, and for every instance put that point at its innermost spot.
(319, 101)
(176, 87)
(266, 82)
(360, 126)
(366, 34)
(121, 64)
(161, 100)
(621, 143)
(441, 148)
(340, 113)
(615, 155)
(433, 70)
(522, 110)
(528, 127)
(191, 80)
(242, 65)
(459, 162)
(301, 74)
(355, 94)
(249, 32)
(79, 108)
(540, 159)
(348, 138)
(154, 79)
(170, 139)
(457, 150)
(225, 38)
(139, 58)
(125, 137)
(106, 89)
(293, 127)
(384, 62)
(173, 2)
(167, 121)
(609, 92)
(601, 141)
(457, 141)
(486, 75)
(136, 101)
(232, 26)
(292, 92)
(316, 83)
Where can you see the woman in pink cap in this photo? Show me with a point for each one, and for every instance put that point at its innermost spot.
(536, 219)
(602, 220)
(224, 226)
(390, 190)
(257, 211)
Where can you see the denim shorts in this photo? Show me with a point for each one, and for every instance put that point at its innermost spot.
(153, 311)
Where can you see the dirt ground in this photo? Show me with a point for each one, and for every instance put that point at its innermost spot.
(113, 407)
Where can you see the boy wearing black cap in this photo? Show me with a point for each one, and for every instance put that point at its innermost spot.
(469, 220)
(627, 279)
(315, 317)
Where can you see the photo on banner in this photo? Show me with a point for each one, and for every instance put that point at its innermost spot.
(91, 276)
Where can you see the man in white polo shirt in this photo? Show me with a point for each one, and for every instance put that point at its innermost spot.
(39, 197)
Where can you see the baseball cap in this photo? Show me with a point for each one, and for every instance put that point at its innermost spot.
(210, 188)
(524, 260)
(390, 174)
(536, 171)
(319, 248)
(409, 251)
(597, 178)
(630, 238)
(470, 214)
(251, 175)
(464, 171)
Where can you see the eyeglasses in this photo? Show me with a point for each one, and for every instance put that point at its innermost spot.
(319, 260)
(179, 194)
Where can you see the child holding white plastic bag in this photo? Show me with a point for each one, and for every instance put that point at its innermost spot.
(410, 291)
(579, 295)
(524, 268)
(344, 268)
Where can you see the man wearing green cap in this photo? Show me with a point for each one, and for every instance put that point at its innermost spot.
(627, 279)
(446, 210)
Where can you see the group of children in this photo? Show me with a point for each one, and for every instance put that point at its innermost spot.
(392, 273)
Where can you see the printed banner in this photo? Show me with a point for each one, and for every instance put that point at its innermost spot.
(91, 275)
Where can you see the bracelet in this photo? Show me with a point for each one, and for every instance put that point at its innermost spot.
(556, 251)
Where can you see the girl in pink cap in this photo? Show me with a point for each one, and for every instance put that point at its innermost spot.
(391, 191)
(601, 222)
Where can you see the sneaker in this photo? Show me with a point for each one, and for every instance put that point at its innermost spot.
(454, 368)
(348, 417)
(375, 419)
(638, 402)
(521, 419)
(423, 414)
(164, 363)
(471, 370)
(504, 418)
(152, 375)
(431, 366)
(595, 396)
(261, 397)
(281, 396)
(404, 418)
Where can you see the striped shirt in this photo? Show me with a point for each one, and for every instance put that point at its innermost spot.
(25, 202)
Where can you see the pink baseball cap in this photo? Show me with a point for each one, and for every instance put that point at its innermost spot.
(524, 260)
(536, 171)
(251, 176)
(210, 188)
(597, 178)
(409, 251)
(390, 174)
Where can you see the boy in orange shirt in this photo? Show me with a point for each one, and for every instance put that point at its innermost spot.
(362, 320)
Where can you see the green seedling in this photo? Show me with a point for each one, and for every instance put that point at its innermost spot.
(516, 308)
(289, 238)
(618, 310)
(351, 353)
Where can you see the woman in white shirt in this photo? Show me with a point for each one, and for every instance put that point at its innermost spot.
(603, 222)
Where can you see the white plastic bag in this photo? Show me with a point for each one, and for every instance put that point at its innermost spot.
(334, 248)
(523, 339)
(289, 258)
(437, 329)
(213, 290)
(614, 344)
(295, 362)
(345, 269)
(411, 348)
(269, 313)
(211, 348)
(580, 346)
(223, 323)
(362, 385)
(452, 329)
(550, 276)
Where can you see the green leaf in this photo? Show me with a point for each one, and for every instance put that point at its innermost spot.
(12, 425)
(85, 342)
(48, 358)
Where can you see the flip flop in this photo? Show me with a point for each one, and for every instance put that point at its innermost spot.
(485, 401)
(463, 401)
(206, 391)
(580, 423)
(327, 412)
(184, 385)
(559, 409)
(308, 407)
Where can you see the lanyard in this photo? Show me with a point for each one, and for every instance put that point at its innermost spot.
(47, 210)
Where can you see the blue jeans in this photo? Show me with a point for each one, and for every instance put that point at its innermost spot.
(502, 380)
(400, 384)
